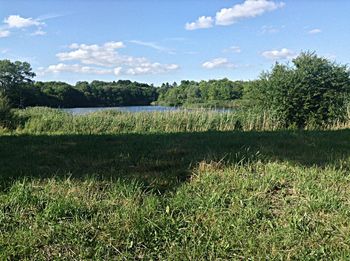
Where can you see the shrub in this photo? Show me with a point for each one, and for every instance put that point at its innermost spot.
(313, 91)
(6, 117)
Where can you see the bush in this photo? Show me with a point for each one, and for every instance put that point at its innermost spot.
(312, 92)
(6, 117)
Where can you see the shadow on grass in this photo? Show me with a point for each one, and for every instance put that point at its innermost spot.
(162, 161)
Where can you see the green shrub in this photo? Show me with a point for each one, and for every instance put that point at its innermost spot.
(313, 92)
(6, 117)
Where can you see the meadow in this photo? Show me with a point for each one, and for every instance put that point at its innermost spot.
(172, 186)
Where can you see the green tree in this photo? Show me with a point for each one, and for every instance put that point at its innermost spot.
(13, 77)
(313, 91)
(203, 92)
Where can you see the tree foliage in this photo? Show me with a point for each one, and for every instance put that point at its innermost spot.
(21, 91)
(14, 76)
(94, 94)
(313, 91)
(190, 92)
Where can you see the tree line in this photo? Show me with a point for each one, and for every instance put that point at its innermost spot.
(16, 83)
(200, 93)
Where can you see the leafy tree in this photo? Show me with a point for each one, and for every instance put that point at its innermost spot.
(313, 91)
(13, 77)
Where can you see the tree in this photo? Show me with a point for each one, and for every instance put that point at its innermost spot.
(13, 77)
(313, 91)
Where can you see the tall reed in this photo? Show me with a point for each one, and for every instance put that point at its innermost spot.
(45, 120)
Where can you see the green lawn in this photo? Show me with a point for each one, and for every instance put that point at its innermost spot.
(176, 196)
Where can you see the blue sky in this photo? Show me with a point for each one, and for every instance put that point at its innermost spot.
(165, 41)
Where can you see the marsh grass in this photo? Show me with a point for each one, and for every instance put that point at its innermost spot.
(42, 120)
(52, 121)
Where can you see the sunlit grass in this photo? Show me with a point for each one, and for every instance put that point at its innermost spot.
(52, 121)
(258, 211)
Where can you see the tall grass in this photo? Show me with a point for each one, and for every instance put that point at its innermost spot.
(45, 120)
(255, 212)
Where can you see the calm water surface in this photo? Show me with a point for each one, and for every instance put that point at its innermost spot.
(76, 111)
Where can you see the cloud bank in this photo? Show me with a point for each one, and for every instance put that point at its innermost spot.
(105, 59)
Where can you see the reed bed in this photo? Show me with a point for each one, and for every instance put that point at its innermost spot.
(45, 120)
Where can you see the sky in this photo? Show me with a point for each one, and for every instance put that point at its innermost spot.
(158, 41)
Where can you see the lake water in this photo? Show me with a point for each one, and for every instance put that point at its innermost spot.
(77, 111)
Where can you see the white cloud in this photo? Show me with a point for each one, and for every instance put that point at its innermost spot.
(105, 59)
(233, 49)
(153, 46)
(248, 9)
(315, 31)
(76, 68)
(114, 45)
(117, 71)
(50, 16)
(201, 23)
(284, 53)
(146, 68)
(228, 16)
(151, 68)
(38, 32)
(4, 33)
(218, 63)
(104, 55)
(16, 21)
(269, 29)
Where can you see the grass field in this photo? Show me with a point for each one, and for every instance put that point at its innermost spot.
(176, 196)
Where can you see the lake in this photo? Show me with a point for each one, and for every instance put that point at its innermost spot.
(77, 111)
